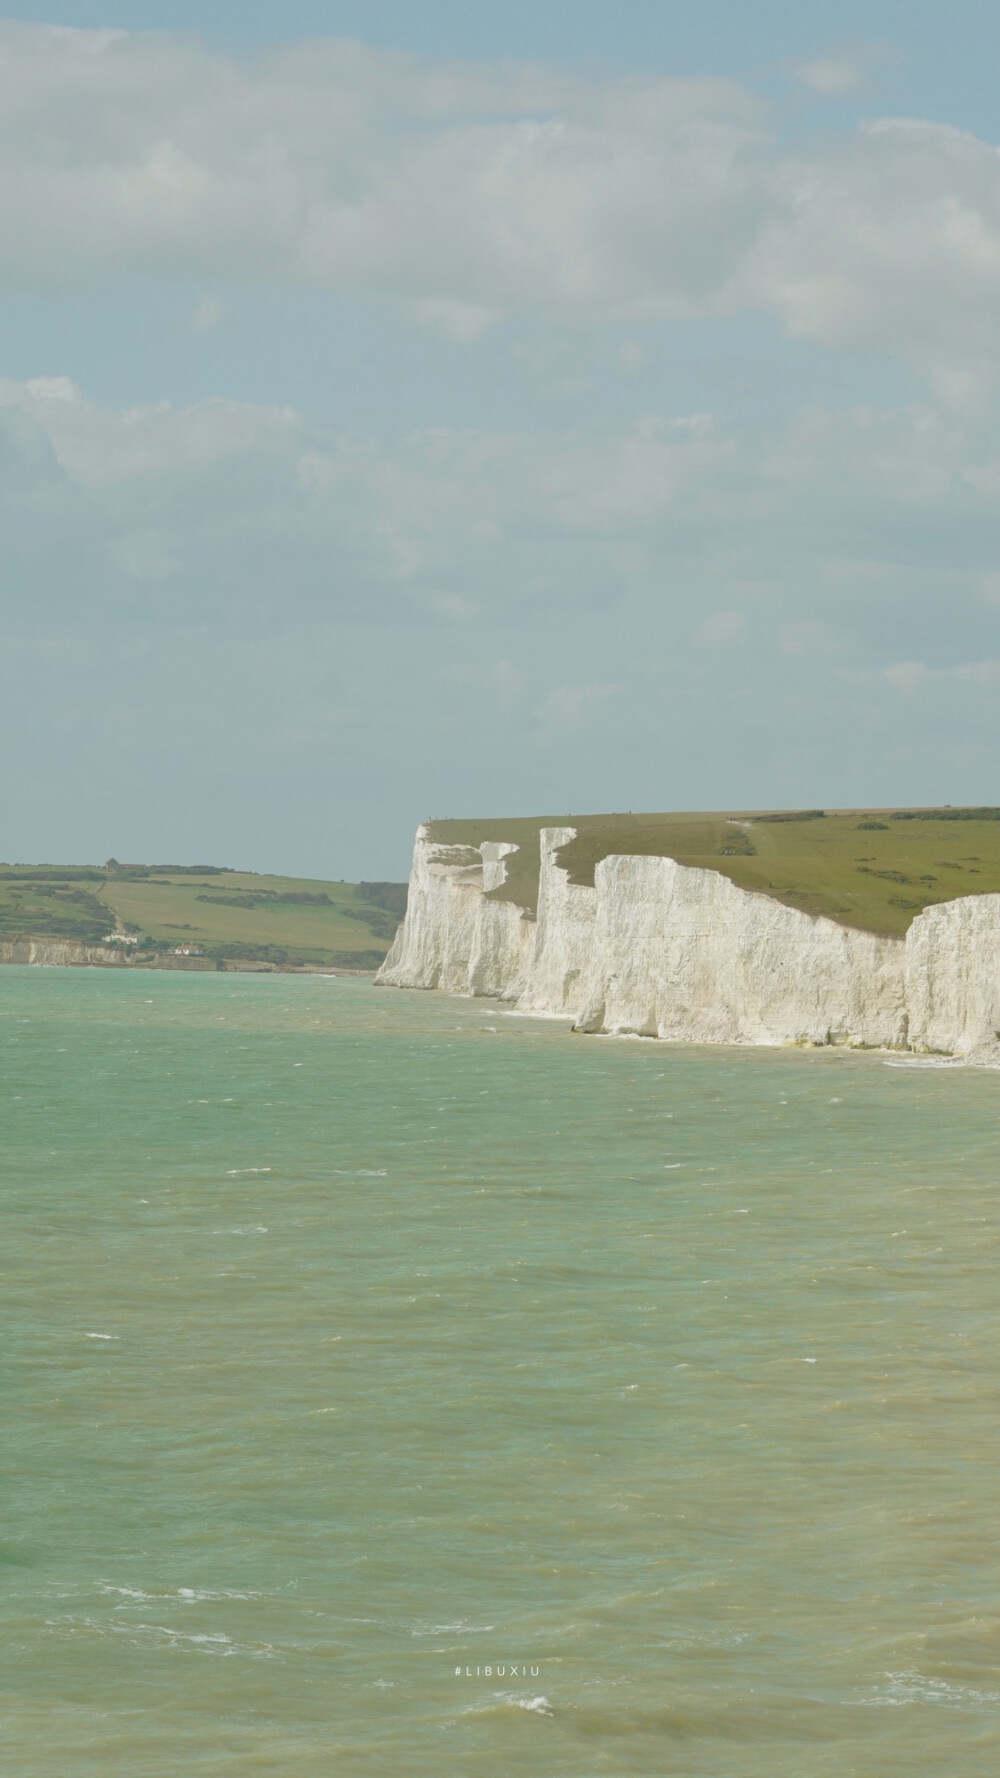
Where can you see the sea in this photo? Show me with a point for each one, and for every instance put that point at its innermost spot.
(396, 1387)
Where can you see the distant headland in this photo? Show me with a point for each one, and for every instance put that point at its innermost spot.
(192, 917)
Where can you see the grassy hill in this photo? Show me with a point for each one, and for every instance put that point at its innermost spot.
(871, 868)
(229, 918)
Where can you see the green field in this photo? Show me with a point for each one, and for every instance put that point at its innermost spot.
(227, 918)
(871, 868)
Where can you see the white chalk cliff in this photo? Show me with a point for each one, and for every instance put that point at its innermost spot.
(658, 949)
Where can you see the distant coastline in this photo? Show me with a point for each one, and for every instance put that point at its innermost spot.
(64, 954)
(194, 918)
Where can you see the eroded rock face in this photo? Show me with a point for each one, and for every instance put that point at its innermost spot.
(454, 938)
(953, 976)
(660, 949)
(60, 953)
(686, 954)
(564, 934)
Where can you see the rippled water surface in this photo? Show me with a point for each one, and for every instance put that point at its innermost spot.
(357, 1342)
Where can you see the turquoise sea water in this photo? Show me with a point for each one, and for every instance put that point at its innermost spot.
(356, 1342)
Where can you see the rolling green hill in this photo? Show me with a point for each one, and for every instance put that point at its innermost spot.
(871, 868)
(227, 918)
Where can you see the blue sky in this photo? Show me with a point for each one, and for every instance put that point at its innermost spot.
(421, 411)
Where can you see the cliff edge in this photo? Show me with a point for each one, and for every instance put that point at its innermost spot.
(660, 949)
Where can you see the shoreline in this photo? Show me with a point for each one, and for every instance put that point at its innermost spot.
(885, 1054)
(54, 953)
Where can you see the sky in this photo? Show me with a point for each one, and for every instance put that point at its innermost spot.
(456, 409)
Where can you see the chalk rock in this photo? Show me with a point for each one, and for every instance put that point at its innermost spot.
(453, 937)
(685, 953)
(564, 934)
(953, 976)
(660, 949)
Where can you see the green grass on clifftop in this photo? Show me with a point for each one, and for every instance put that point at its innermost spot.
(228, 916)
(871, 868)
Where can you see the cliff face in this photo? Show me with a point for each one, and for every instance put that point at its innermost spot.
(59, 952)
(563, 935)
(953, 977)
(685, 953)
(661, 950)
(452, 937)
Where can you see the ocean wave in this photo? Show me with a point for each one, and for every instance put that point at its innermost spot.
(164, 1636)
(505, 1701)
(540, 1706)
(922, 1062)
(187, 1595)
(911, 1687)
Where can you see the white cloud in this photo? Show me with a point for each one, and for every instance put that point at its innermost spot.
(833, 534)
(572, 706)
(468, 188)
(558, 575)
(802, 640)
(157, 449)
(891, 241)
(632, 355)
(52, 389)
(720, 629)
(834, 75)
(470, 191)
(145, 555)
(452, 605)
(208, 315)
(460, 321)
(911, 676)
(985, 674)
(907, 675)
(499, 681)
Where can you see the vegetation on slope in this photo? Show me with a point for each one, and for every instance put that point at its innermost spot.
(870, 868)
(228, 917)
